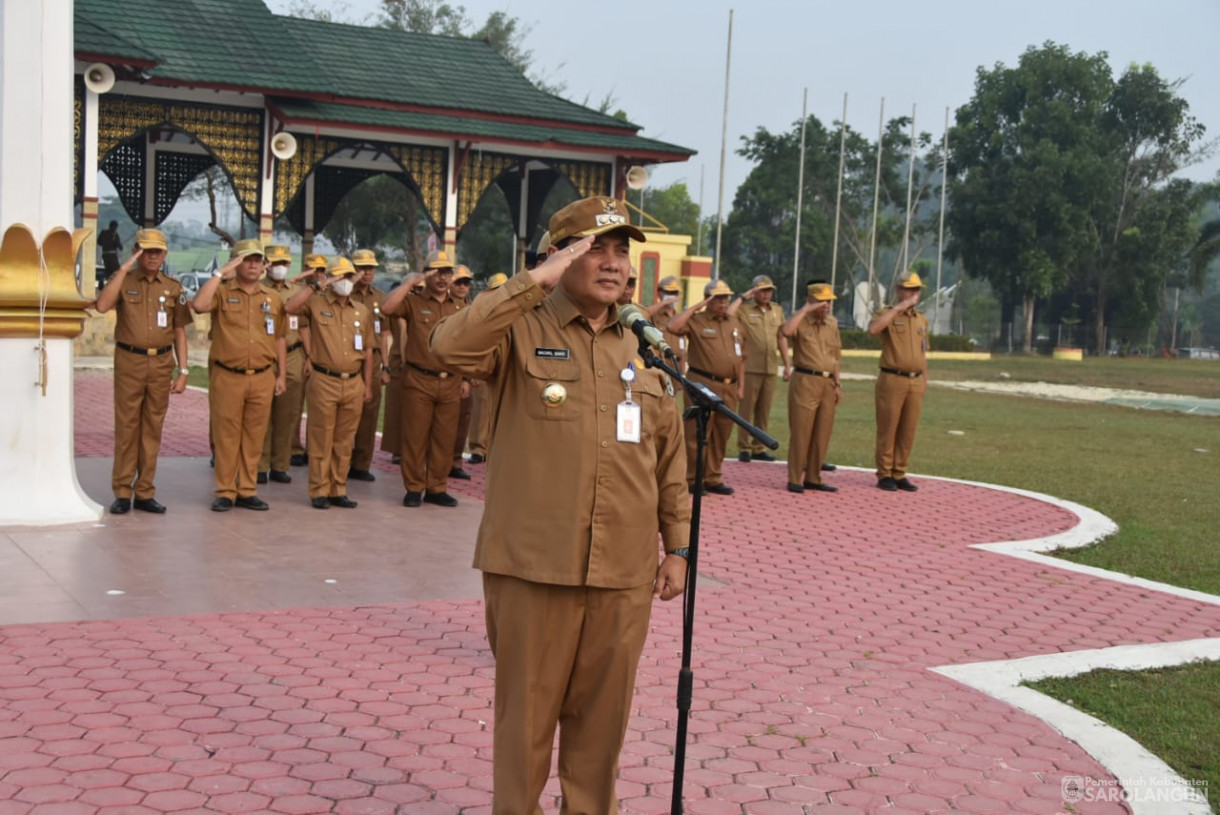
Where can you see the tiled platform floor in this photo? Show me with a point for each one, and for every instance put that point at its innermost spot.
(815, 631)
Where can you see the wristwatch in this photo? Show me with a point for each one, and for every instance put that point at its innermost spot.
(683, 553)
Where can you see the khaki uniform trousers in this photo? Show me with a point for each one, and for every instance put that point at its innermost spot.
(366, 432)
(565, 655)
(899, 400)
(756, 409)
(285, 426)
(719, 428)
(480, 418)
(811, 418)
(391, 425)
(335, 406)
(465, 411)
(141, 399)
(430, 407)
(241, 408)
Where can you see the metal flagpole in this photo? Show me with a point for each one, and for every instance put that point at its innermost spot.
(834, 251)
(724, 139)
(699, 242)
(874, 296)
(906, 227)
(800, 197)
(940, 242)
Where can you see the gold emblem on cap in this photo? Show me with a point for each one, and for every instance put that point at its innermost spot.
(554, 394)
(611, 204)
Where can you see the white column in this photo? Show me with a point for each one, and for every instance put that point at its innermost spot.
(38, 480)
(449, 235)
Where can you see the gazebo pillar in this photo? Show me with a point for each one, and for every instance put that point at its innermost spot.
(449, 236)
(308, 238)
(41, 308)
(266, 197)
(89, 197)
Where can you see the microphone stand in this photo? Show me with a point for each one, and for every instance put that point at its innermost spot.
(703, 403)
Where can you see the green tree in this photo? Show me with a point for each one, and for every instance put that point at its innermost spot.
(671, 205)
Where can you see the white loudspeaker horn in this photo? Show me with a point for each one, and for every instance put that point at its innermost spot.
(99, 77)
(637, 177)
(284, 146)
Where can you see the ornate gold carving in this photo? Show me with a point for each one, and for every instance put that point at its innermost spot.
(233, 135)
(589, 178)
(478, 173)
(428, 167)
(291, 174)
(78, 115)
(24, 284)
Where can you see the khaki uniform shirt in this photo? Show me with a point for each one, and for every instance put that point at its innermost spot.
(240, 338)
(714, 344)
(372, 300)
(761, 328)
(140, 301)
(422, 312)
(566, 502)
(904, 343)
(332, 332)
(285, 290)
(816, 346)
(398, 341)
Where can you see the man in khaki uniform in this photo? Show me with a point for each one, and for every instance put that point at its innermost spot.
(577, 491)
(459, 291)
(150, 324)
(391, 423)
(762, 323)
(313, 271)
(480, 409)
(663, 309)
(716, 357)
(342, 334)
(248, 363)
(901, 383)
(432, 395)
(813, 390)
(285, 408)
(365, 294)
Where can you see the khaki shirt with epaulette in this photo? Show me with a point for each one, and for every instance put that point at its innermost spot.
(140, 301)
(333, 329)
(241, 337)
(761, 327)
(816, 346)
(904, 343)
(378, 322)
(714, 344)
(295, 322)
(567, 503)
(421, 312)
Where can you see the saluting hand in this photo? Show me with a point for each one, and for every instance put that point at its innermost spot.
(229, 270)
(131, 262)
(548, 272)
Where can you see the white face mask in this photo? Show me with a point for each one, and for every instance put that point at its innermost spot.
(278, 271)
(343, 287)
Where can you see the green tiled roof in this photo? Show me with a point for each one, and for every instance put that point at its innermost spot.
(465, 126)
(90, 38)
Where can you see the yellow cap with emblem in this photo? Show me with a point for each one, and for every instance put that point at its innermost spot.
(462, 273)
(820, 291)
(716, 288)
(151, 239)
(364, 257)
(910, 280)
(592, 216)
(341, 266)
(315, 262)
(440, 259)
(278, 253)
(247, 248)
(497, 280)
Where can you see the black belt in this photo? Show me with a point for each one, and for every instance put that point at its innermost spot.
(243, 371)
(732, 380)
(811, 372)
(295, 346)
(907, 374)
(144, 352)
(437, 374)
(336, 374)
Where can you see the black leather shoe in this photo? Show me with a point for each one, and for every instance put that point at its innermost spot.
(321, 502)
(262, 478)
(251, 502)
(299, 460)
(342, 501)
(744, 455)
(222, 505)
(360, 475)
(280, 477)
(149, 505)
(809, 485)
(720, 489)
(475, 458)
(441, 499)
(795, 487)
(396, 459)
(412, 499)
(691, 490)
(459, 474)
(905, 485)
(829, 468)
(888, 484)
(121, 506)
(764, 457)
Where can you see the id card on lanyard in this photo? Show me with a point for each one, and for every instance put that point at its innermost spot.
(628, 418)
(358, 337)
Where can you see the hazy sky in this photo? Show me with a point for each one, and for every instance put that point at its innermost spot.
(664, 61)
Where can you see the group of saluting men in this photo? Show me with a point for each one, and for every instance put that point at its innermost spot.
(588, 465)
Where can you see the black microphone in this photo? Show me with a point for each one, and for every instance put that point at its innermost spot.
(635, 318)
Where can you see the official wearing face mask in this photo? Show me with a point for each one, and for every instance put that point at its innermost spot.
(285, 408)
(341, 348)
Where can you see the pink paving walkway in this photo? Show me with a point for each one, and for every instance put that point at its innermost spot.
(812, 688)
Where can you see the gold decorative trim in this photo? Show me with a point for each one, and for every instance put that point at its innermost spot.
(290, 175)
(23, 283)
(589, 178)
(427, 167)
(478, 173)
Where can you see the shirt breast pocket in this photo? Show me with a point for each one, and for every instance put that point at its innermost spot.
(551, 389)
(649, 395)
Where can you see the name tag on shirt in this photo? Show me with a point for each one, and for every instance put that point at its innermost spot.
(628, 424)
(359, 341)
(553, 353)
(162, 320)
(294, 322)
(376, 326)
(234, 299)
(270, 326)
(737, 347)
